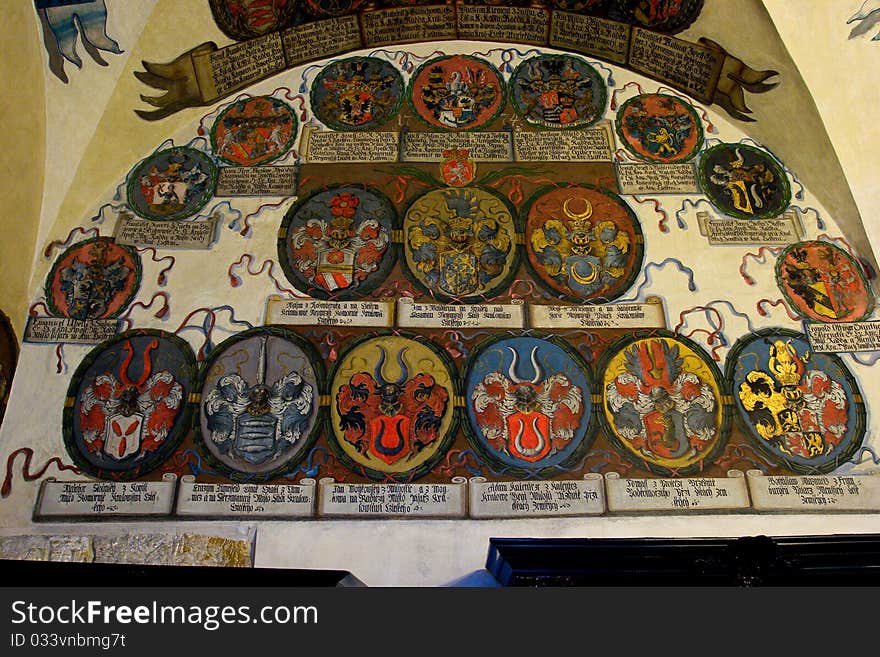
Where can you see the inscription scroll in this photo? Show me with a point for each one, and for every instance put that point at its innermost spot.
(814, 493)
(593, 145)
(690, 67)
(494, 23)
(528, 499)
(481, 146)
(377, 314)
(327, 147)
(844, 337)
(605, 316)
(590, 35)
(71, 331)
(257, 181)
(203, 500)
(339, 500)
(408, 24)
(784, 230)
(658, 179)
(68, 500)
(241, 64)
(437, 315)
(667, 495)
(166, 234)
(321, 39)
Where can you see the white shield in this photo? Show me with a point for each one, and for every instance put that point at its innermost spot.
(122, 435)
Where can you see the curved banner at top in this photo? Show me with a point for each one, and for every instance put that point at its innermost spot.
(703, 70)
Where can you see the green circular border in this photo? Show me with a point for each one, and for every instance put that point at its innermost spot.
(489, 294)
(774, 162)
(131, 181)
(726, 408)
(138, 277)
(600, 115)
(445, 442)
(297, 457)
(287, 146)
(638, 263)
(771, 455)
(674, 27)
(347, 128)
(589, 437)
(701, 137)
(14, 351)
(795, 308)
(502, 91)
(172, 442)
(381, 274)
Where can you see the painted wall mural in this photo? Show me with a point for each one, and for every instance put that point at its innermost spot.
(408, 276)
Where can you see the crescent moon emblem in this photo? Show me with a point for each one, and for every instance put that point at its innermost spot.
(586, 214)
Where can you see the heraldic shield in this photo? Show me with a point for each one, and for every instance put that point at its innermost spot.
(459, 244)
(663, 406)
(392, 410)
(259, 410)
(336, 243)
(824, 283)
(528, 405)
(93, 279)
(128, 404)
(802, 409)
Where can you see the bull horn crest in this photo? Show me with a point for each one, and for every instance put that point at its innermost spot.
(148, 365)
(511, 371)
(404, 371)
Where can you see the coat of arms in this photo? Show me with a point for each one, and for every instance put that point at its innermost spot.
(121, 418)
(391, 418)
(337, 240)
(459, 241)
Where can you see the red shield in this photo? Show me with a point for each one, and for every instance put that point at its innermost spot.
(528, 435)
(457, 168)
(389, 440)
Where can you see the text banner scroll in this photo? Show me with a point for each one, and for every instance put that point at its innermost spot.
(829, 494)
(49, 330)
(71, 500)
(341, 500)
(367, 314)
(694, 495)
(530, 499)
(205, 74)
(437, 315)
(228, 500)
(844, 337)
(649, 314)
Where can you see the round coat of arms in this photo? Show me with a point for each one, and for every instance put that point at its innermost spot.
(824, 283)
(558, 91)
(127, 406)
(259, 409)
(247, 19)
(359, 93)
(336, 243)
(528, 405)
(668, 16)
(8, 360)
(460, 244)
(93, 279)
(457, 92)
(662, 403)
(254, 131)
(172, 184)
(744, 182)
(659, 128)
(583, 243)
(392, 409)
(802, 409)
